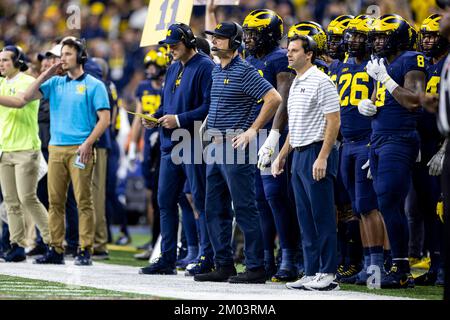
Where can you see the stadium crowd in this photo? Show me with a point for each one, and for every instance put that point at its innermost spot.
(322, 138)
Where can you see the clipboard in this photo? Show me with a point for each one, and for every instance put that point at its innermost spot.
(144, 116)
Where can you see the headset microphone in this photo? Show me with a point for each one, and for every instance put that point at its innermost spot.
(217, 49)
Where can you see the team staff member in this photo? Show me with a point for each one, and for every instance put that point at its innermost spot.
(237, 87)
(79, 114)
(185, 99)
(313, 113)
(19, 154)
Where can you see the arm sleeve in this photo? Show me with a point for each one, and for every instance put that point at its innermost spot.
(198, 113)
(100, 97)
(327, 96)
(254, 85)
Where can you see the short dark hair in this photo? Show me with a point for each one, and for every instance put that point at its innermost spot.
(308, 44)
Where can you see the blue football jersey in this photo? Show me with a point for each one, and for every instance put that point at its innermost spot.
(391, 117)
(353, 84)
(321, 65)
(427, 125)
(268, 67)
(150, 99)
(333, 69)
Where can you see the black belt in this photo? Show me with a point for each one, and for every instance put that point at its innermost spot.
(302, 148)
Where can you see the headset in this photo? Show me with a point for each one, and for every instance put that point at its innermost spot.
(18, 57)
(188, 37)
(80, 45)
(236, 39)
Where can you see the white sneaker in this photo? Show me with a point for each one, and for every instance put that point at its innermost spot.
(300, 282)
(322, 282)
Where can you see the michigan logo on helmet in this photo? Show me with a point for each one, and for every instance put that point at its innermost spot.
(431, 43)
(263, 30)
(160, 59)
(335, 36)
(357, 35)
(390, 34)
(312, 29)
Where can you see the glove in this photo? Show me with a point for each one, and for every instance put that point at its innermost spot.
(365, 166)
(436, 163)
(131, 157)
(367, 108)
(377, 70)
(267, 149)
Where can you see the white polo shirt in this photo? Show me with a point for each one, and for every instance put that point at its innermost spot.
(311, 97)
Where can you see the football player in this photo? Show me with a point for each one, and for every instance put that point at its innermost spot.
(349, 240)
(425, 175)
(394, 143)
(263, 30)
(354, 85)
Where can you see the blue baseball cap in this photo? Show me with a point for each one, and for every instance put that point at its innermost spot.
(224, 29)
(173, 35)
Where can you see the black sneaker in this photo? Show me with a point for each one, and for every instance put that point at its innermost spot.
(158, 267)
(250, 276)
(220, 274)
(39, 250)
(202, 265)
(83, 258)
(15, 254)
(100, 255)
(397, 279)
(285, 275)
(349, 272)
(51, 257)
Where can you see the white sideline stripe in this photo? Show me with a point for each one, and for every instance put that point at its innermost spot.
(127, 279)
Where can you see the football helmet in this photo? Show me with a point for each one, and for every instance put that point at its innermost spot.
(357, 35)
(312, 29)
(335, 36)
(431, 42)
(390, 34)
(265, 27)
(160, 59)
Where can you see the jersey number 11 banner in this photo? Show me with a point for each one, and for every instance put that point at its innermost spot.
(161, 14)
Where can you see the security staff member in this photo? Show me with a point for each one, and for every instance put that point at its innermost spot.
(184, 100)
(236, 89)
(314, 120)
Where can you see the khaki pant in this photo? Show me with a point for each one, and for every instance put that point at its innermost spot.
(99, 195)
(18, 179)
(60, 172)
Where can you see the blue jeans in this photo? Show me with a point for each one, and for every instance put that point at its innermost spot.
(226, 182)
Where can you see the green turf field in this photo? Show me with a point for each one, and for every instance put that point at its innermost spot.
(23, 288)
